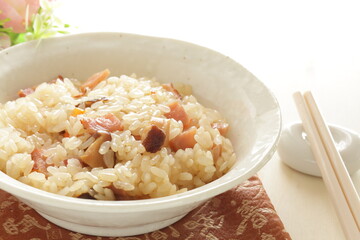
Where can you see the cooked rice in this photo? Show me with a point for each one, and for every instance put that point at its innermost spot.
(37, 121)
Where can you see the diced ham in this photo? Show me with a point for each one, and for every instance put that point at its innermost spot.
(170, 88)
(94, 80)
(154, 139)
(39, 159)
(178, 113)
(137, 137)
(92, 157)
(221, 126)
(66, 162)
(25, 92)
(183, 140)
(107, 123)
(193, 122)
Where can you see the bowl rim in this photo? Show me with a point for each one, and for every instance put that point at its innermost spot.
(26, 192)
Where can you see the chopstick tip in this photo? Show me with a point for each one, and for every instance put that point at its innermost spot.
(297, 94)
(308, 93)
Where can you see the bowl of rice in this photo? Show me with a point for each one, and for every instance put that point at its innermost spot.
(116, 134)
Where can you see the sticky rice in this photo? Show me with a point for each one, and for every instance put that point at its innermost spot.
(113, 138)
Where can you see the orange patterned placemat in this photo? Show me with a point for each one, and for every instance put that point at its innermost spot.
(244, 212)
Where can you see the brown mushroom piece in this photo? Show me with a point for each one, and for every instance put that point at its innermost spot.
(86, 196)
(154, 139)
(89, 103)
(92, 157)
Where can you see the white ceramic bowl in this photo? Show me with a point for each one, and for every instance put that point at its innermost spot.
(218, 82)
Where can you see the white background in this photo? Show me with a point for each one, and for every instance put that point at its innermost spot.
(289, 45)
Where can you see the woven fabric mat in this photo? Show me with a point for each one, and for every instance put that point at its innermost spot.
(244, 212)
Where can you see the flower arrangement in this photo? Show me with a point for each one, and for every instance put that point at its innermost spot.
(24, 20)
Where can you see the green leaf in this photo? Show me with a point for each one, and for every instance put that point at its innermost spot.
(20, 38)
(6, 30)
(16, 38)
(63, 32)
(2, 22)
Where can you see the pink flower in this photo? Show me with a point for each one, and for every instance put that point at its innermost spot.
(15, 10)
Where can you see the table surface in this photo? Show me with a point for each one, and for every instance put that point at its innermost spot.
(290, 46)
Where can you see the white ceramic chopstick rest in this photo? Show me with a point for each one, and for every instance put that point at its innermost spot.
(294, 149)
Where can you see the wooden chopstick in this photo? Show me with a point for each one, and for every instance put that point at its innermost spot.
(343, 210)
(338, 165)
